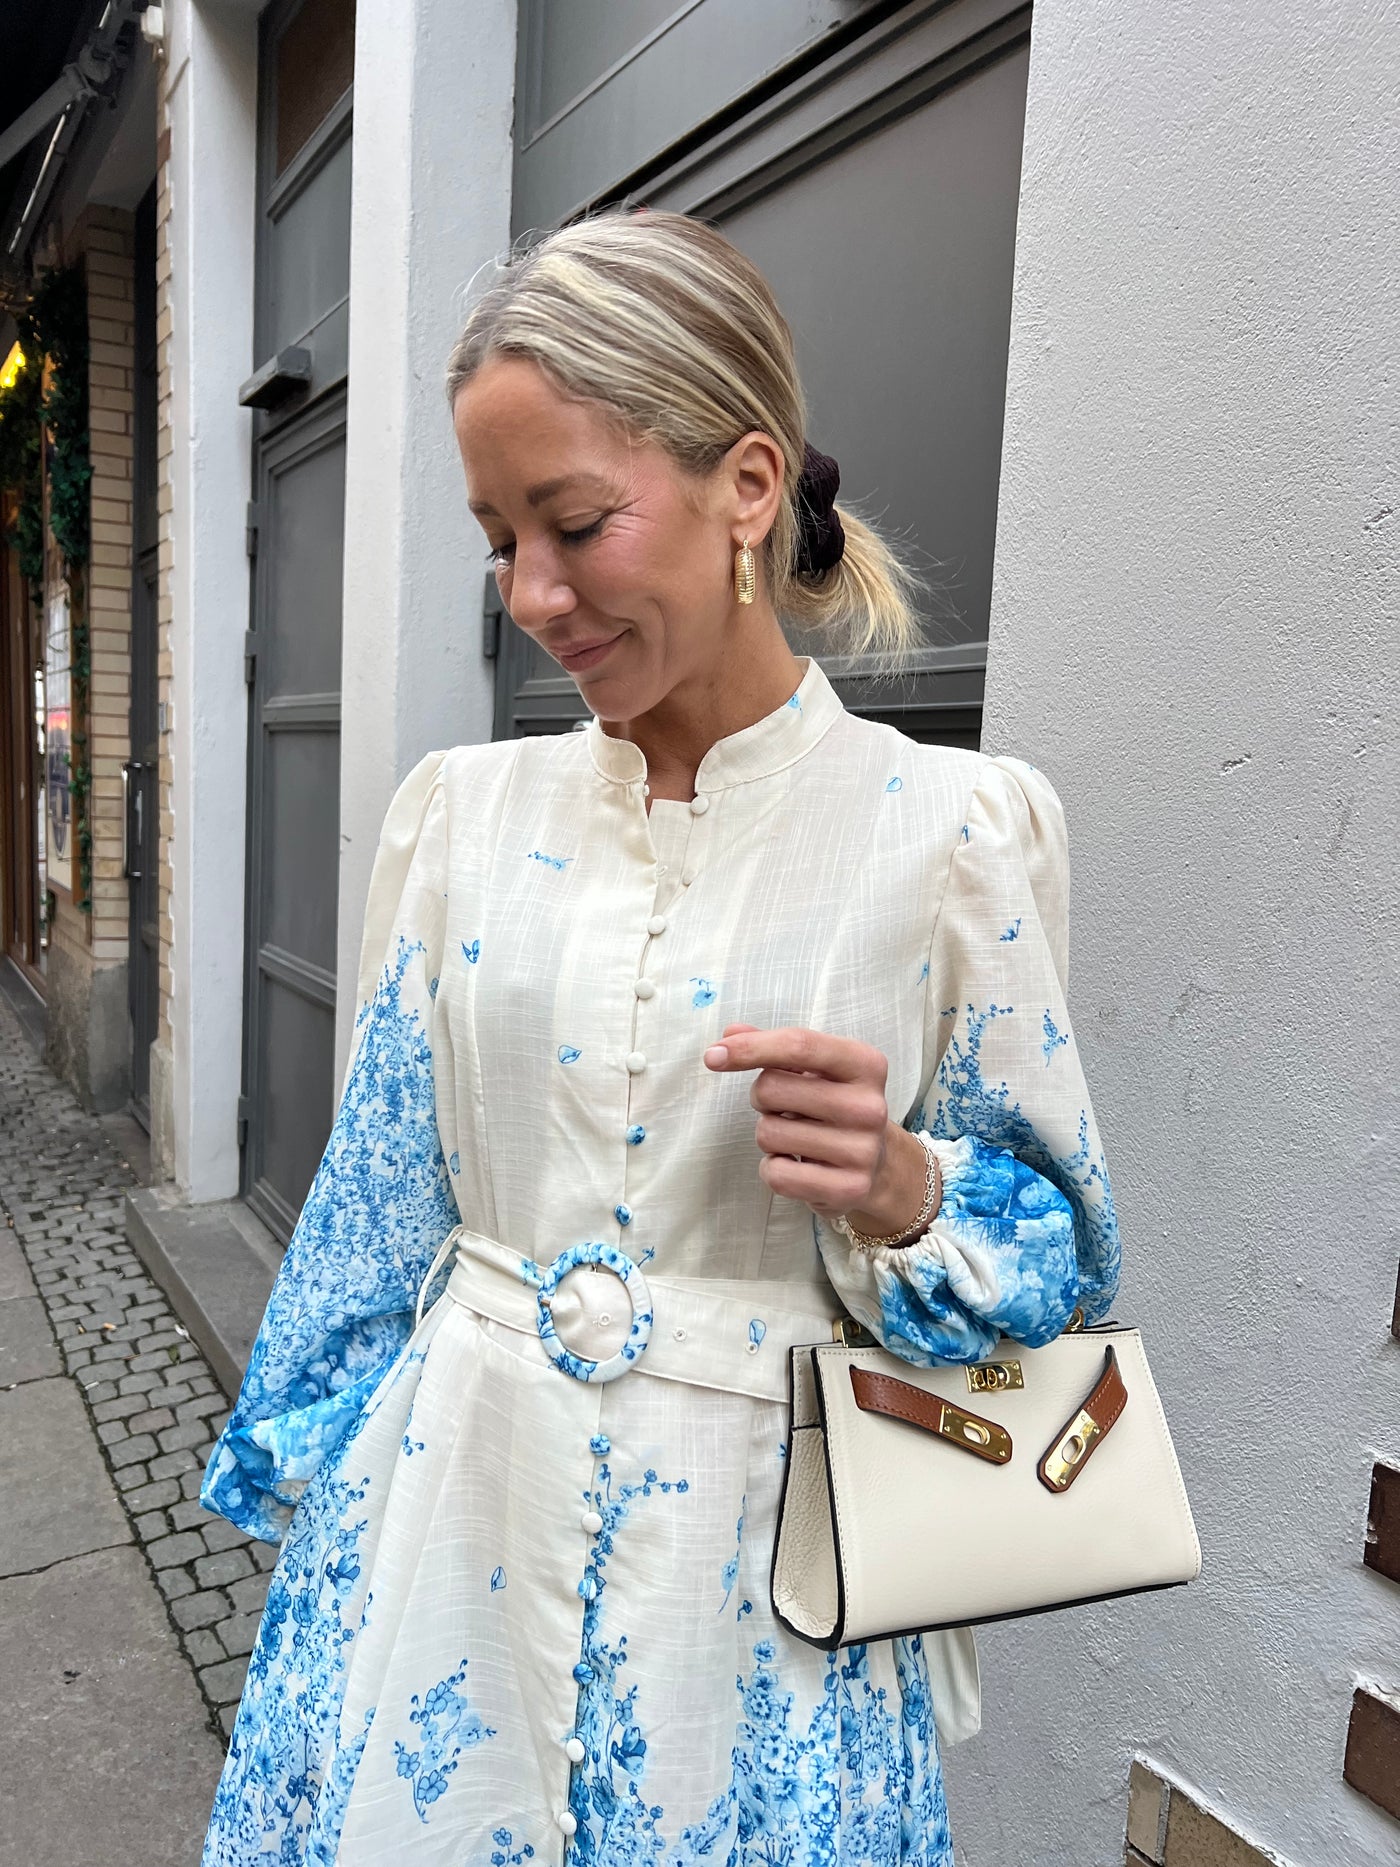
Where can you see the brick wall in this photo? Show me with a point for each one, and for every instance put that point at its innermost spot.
(105, 237)
(89, 1032)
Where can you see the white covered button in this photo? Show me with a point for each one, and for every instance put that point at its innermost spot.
(574, 1751)
(644, 989)
(657, 924)
(591, 1521)
(568, 1821)
(636, 1063)
(699, 805)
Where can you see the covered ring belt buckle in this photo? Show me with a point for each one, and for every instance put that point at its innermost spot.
(548, 1280)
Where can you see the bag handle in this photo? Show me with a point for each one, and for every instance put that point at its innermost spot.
(901, 1400)
(1074, 1446)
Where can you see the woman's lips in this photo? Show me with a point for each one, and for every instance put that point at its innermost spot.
(576, 660)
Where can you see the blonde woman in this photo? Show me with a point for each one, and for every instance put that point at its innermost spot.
(678, 1038)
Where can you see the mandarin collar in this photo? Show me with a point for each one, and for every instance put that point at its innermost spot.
(768, 746)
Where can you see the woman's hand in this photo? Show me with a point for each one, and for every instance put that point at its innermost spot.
(824, 1128)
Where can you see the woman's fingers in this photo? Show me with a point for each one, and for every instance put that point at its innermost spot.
(841, 1059)
(816, 1141)
(857, 1105)
(827, 1190)
(822, 1114)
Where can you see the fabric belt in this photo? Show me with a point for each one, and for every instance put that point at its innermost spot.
(732, 1335)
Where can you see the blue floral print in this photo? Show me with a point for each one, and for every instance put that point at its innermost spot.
(704, 994)
(729, 1575)
(558, 863)
(471, 954)
(502, 1855)
(276, 1782)
(568, 1054)
(967, 1104)
(1004, 1263)
(341, 1308)
(1054, 1038)
(447, 1725)
(615, 1822)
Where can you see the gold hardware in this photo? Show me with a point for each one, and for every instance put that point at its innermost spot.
(1065, 1459)
(988, 1376)
(851, 1334)
(983, 1437)
(1075, 1323)
(745, 583)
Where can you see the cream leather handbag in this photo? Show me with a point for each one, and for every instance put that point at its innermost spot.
(918, 1499)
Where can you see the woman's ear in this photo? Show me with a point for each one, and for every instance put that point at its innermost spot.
(755, 470)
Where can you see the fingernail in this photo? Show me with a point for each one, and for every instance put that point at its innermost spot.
(717, 1056)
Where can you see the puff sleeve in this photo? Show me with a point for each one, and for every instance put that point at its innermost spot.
(1026, 1230)
(381, 1203)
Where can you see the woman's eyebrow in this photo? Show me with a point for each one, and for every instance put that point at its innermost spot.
(536, 495)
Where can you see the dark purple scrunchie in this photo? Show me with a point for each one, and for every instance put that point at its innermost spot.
(820, 538)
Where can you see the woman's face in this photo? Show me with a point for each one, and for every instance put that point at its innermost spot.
(610, 557)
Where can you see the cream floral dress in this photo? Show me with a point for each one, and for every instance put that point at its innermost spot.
(521, 1610)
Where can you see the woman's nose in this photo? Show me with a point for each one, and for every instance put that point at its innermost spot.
(538, 591)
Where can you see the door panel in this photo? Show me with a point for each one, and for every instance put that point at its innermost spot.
(604, 86)
(297, 533)
(302, 766)
(308, 253)
(294, 798)
(296, 1032)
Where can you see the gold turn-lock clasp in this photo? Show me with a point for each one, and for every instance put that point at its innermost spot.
(1068, 1454)
(984, 1437)
(989, 1377)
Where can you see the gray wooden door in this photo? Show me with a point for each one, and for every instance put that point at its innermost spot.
(868, 158)
(143, 767)
(295, 533)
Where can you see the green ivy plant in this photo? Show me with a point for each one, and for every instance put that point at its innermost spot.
(53, 324)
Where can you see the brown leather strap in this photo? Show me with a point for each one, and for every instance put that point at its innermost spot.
(901, 1400)
(1072, 1448)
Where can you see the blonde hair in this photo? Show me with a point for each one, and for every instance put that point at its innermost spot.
(675, 334)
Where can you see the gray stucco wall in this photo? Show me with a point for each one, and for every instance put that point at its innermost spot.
(1195, 634)
(89, 1028)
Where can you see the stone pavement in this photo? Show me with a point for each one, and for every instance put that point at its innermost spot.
(126, 1611)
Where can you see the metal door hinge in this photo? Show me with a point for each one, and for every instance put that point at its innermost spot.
(250, 535)
(250, 656)
(245, 1110)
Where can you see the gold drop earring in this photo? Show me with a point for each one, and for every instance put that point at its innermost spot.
(744, 581)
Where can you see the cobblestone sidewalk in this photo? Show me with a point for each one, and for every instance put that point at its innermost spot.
(153, 1403)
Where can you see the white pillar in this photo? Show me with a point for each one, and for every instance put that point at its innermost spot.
(434, 84)
(213, 113)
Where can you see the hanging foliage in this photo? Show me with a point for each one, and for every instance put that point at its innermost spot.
(21, 462)
(52, 407)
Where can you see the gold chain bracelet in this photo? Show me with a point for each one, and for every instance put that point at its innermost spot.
(932, 1194)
